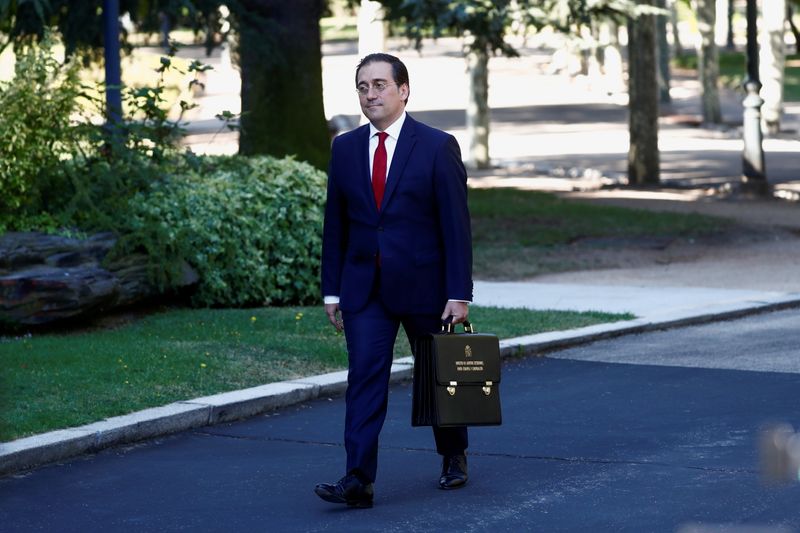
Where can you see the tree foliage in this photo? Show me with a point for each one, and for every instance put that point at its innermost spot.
(279, 53)
(80, 24)
(35, 133)
(489, 22)
(57, 168)
(485, 25)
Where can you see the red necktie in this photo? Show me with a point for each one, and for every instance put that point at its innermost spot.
(379, 169)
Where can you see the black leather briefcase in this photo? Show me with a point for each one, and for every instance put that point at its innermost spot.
(456, 379)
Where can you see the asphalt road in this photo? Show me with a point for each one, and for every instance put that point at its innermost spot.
(654, 432)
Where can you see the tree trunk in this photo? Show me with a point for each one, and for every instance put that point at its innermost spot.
(729, 44)
(676, 37)
(664, 77)
(643, 156)
(771, 63)
(793, 27)
(708, 60)
(165, 28)
(478, 108)
(279, 52)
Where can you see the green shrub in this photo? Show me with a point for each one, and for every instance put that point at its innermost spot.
(113, 165)
(251, 227)
(35, 123)
(57, 167)
(100, 190)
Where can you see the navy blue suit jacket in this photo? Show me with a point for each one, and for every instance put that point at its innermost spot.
(422, 231)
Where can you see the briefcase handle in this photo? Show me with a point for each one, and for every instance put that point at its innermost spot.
(449, 327)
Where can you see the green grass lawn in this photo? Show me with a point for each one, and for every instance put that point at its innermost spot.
(53, 381)
(514, 232)
(733, 68)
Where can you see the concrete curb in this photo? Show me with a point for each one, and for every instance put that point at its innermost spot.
(23, 454)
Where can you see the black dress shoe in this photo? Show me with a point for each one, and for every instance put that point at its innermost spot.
(350, 490)
(454, 472)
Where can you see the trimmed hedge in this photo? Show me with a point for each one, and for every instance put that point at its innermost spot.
(250, 226)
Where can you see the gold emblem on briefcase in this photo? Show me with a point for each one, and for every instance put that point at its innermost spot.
(467, 351)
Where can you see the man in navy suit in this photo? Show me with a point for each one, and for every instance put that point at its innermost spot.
(396, 249)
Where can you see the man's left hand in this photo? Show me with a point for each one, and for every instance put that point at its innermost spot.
(458, 310)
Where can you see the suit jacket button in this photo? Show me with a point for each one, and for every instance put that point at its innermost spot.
(380, 228)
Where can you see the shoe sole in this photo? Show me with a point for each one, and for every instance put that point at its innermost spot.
(360, 504)
(452, 487)
(333, 498)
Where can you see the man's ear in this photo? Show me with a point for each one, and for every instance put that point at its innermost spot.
(404, 91)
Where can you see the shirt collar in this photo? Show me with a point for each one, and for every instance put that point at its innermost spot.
(393, 130)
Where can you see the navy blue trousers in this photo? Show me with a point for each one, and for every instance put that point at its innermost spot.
(370, 335)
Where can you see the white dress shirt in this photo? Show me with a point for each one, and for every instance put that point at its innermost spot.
(390, 142)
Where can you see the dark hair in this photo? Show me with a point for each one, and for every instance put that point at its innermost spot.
(399, 70)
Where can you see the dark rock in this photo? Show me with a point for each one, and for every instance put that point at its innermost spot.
(21, 249)
(48, 278)
(42, 294)
(66, 259)
(131, 271)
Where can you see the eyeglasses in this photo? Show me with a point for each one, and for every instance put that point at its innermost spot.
(379, 87)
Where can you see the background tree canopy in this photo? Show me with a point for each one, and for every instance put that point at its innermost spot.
(277, 45)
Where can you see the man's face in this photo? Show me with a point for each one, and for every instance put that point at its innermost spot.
(384, 107)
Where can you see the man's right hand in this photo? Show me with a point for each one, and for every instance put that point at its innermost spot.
(332, 310)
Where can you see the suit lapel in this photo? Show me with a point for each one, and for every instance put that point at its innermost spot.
(363, 167)
(405, 143)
